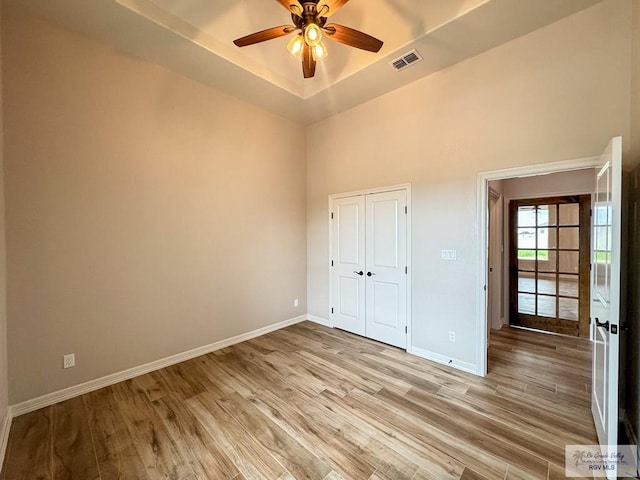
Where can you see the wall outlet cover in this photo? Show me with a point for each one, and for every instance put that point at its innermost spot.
(69, 360)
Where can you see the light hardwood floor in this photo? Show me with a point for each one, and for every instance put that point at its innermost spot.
(312, 402)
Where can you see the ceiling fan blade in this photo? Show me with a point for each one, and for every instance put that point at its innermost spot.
(329, 7)
(353, 38)
(264, 35)
(292, 5)
(308, 63)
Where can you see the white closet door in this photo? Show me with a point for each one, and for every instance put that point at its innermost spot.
(386, 263)
(347, 272)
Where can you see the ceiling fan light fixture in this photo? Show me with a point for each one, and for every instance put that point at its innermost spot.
(319, 51)
(296, 45)
(309, 26)
(312, 34)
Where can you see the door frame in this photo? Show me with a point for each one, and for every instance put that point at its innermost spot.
(495, 241)
(391, 188)
(482, 216)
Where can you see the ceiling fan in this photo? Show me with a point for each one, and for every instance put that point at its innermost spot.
(310, 21)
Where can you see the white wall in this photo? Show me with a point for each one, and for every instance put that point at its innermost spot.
(147, 214)
(558, 93)
(4, 387)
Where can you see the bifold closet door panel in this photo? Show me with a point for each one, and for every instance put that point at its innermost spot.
(386, 267)
(347, 272)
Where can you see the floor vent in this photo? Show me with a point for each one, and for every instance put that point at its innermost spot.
(405, 60)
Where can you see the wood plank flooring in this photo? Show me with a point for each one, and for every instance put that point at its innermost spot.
(308, 402)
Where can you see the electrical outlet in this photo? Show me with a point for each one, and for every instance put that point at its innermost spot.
(452, 336)
(295, 302)
(69, 361)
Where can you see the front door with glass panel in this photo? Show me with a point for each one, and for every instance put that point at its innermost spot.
(549, 264)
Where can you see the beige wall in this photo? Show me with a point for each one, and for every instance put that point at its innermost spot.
(4, 387)
(634, 158)
(146, 214)
(558, 93)
(565, 183)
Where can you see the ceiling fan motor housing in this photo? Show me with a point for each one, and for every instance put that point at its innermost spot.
(309, 15)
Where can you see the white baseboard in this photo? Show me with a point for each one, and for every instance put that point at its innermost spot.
(4, 434)
(319, 320)
(444, 360)
(77, 390)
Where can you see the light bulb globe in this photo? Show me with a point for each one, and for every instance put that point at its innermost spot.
(296, 45)
(312, 35)
(319, 51)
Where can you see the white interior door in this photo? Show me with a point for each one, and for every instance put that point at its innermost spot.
(347, 271)
(386, 267)
(605, 288)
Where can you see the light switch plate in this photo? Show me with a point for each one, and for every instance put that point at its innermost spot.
(448, 254)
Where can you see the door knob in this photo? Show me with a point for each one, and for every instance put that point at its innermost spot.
(370, 274)
(604, 325)
(359, 273)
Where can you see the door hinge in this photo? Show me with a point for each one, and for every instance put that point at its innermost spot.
(406, 270)
(332, 263)
(591, 212)
(405, 209)
(332, 215)
(485, 288)
(590, 266)
(331, 309)
(405, 329)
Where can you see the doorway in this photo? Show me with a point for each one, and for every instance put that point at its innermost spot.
(570, 177)
(369, 264)
(549, 264)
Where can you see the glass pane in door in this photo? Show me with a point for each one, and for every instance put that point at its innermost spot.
(547, 261)
(568, 308)
(546, 306)
(568, 285)
(526, 303)
(569, 214)
(546, 284)
(570, 237)
(526, 282)
(569, 261)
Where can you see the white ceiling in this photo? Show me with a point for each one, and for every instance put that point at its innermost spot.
(194, 38)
